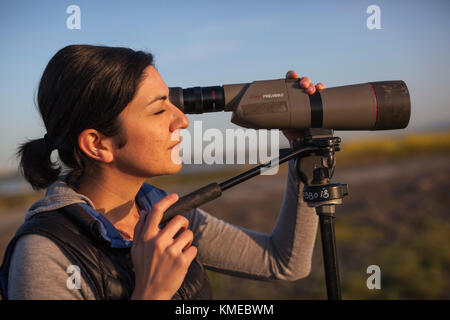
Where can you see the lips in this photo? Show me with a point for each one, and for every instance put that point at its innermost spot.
(176, 144)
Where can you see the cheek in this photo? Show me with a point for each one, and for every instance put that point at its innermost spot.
(149, 139)
(147, 150)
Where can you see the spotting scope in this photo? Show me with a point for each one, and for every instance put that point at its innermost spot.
(282, 104)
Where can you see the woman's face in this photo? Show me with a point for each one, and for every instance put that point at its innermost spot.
(151, 124)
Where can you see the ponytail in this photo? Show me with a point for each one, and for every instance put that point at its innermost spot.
(36, 165)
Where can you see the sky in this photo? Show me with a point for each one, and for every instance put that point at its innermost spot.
(205, 43)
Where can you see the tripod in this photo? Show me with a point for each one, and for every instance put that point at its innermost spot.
(319, 193)
(319, 147)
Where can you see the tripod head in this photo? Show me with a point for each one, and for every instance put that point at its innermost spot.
(318, 191)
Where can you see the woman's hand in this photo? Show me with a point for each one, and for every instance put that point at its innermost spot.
(309, 88)
(160, 261)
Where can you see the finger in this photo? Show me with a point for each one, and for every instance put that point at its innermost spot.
(190, 253)
(305, 82)
(183, 241)
(155, 215)
(291, 74)
(320, 86)
(176, 224)
(311, 89)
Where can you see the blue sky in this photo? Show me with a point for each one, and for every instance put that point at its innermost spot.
(221, 42)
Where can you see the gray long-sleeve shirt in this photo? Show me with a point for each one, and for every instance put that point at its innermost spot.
(38, 267)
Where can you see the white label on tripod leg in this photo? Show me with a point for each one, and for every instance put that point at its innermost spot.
(324, 194)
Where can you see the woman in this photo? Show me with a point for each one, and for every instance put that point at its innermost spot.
(96, 234)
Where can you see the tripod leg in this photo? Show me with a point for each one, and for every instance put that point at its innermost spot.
(326, 218)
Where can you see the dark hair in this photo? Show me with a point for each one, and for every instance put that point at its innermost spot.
(82, 87)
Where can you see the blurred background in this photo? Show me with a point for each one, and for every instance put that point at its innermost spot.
(397, 213)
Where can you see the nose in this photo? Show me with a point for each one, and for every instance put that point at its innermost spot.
(180, 121)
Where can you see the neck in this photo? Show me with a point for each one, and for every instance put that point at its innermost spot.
(113, 195)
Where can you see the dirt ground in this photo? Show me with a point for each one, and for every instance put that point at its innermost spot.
(396, 216)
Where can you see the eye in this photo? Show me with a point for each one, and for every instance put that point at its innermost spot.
(160, 101)
(160, 111)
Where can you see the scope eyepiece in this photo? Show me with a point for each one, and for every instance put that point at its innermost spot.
(198, 99)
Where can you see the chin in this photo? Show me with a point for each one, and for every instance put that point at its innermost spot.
(174, 169)
(174, 163)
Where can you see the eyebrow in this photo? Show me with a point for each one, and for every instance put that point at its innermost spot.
(157, 98)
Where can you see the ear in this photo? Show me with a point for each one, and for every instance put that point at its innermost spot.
(96, 145)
